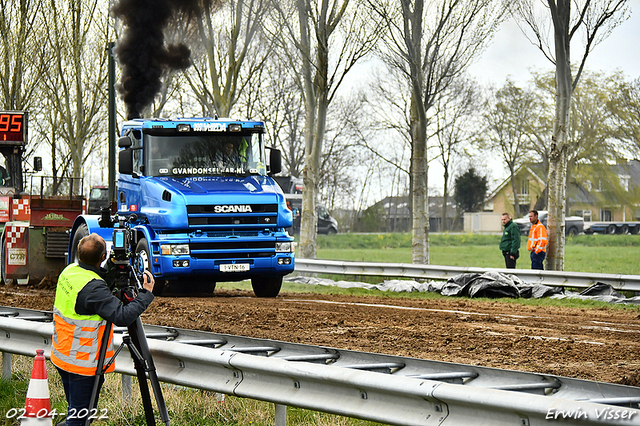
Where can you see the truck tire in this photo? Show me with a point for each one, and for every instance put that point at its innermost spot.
(624, 230)
(266, 286)
(81, 232)
(143, 263)
(573, 231)
(611, 229)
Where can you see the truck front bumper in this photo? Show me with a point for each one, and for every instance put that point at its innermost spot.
(230, 269)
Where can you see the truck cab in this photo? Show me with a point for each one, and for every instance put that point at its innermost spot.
(203, 203)
(98, 199)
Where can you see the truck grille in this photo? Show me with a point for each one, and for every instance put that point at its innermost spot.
(57, 244)
(232, 249)
(223, 216)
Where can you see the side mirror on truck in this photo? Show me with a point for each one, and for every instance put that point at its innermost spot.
(275, 161)
(125, 162)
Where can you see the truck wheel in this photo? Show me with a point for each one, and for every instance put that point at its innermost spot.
(81, 232)
(611, 229)
(573, 231)
(266, 286)
(624, 230)
(332, 231)
(143, 263)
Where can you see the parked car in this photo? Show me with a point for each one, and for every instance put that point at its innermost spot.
(574, 225)
(326, 223)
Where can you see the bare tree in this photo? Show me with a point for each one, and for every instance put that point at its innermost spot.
(22, 54)
(507, 119)
(329, 39)
(77, 34)
(232, 51)
(455, 114)
(274, 97)
(431, 43)
(389, 106)
(22, 60)
(594, 21)
(341, 171)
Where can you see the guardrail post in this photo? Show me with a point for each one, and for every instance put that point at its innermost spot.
(281, 415)
(126, 387)
(6, 365)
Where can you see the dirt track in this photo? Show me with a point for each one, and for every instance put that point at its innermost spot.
(595, 344)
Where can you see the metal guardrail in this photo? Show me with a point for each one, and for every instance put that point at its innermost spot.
(435, 272)
(381, 388)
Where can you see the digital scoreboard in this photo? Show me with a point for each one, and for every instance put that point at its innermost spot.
(13, 127)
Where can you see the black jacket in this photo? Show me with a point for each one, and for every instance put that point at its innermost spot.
(96, 298)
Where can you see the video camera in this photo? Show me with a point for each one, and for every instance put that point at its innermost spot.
(124, 269)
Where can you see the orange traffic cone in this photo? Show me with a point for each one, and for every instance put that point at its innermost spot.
(38, 406)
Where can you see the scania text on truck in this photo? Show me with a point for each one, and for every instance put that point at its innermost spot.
(202, 203)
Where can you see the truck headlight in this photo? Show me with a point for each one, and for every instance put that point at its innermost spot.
(285, 247)
(174, 249)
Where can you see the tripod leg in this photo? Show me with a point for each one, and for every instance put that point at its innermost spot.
(139, 340)
(99, 368)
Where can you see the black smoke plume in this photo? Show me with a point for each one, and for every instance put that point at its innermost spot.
(142, 52)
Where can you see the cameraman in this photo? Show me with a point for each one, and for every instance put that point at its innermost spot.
(83, 305)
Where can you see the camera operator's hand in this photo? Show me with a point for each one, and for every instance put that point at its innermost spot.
(148, 281)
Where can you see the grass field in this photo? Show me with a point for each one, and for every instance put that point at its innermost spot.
(610, 254)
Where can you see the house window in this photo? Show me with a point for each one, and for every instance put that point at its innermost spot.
(523, 193)
(605, 215)
(624, 181)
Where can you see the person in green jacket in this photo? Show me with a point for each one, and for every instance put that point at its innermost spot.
(510, 242)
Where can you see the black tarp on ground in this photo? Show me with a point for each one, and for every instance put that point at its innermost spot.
(489, 284)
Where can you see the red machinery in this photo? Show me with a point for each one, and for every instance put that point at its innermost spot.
(35, 235)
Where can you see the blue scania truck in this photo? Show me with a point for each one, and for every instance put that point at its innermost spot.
(201, 201)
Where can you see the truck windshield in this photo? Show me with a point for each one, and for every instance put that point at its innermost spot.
(204, 155)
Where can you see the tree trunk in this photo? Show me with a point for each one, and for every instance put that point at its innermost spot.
(420, 197)
(445, 199)
(316, 104)
(558, 150)
(514, 189)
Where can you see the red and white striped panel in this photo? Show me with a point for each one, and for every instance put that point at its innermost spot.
(21, 209)
(13, 234)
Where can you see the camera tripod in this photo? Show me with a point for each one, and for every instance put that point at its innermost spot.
(126, 284)
(136, 342)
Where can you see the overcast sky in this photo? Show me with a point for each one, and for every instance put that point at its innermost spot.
(511, 54)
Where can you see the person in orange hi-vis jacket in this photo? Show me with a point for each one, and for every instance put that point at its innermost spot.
(538, 241)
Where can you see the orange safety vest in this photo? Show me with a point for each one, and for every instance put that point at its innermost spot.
(537, 238)
(77, 338)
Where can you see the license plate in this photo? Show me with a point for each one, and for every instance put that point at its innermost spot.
(234, 267)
